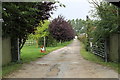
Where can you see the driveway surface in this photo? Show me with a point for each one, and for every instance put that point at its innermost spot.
(64, 63)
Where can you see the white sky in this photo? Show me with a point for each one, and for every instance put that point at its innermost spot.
(74, 9)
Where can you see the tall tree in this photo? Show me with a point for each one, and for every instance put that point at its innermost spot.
(61, 29)
(21, 19)
(77, 25)
(41, 31)
(108, 20)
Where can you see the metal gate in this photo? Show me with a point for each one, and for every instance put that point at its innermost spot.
(99, 49)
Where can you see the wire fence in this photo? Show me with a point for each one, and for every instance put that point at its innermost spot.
(30, 42)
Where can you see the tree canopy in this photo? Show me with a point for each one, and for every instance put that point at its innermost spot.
(41, 30)
(61, 29)
(21, 19)
(108, 20)
(78, 25)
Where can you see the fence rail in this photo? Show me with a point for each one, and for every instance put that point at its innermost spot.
(99, 49)
(30, 42)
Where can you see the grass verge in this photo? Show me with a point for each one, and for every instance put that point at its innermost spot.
(91, 57)
(30, 53)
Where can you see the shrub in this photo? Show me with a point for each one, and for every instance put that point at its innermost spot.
(61, 29)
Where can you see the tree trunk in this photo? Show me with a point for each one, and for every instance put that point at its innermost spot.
(21, 43)
(45, 43)
(60, 41)
(18, 50)
(14, 49)
(36, 43)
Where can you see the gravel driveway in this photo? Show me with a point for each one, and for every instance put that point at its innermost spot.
(64, 63)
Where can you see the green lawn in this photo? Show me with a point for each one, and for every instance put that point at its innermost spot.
(30, 53)
(91, 57)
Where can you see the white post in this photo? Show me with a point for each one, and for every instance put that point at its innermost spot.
(44, 43)
(18, 51)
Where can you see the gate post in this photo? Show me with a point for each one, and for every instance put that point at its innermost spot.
(107, 48)
(105, 56)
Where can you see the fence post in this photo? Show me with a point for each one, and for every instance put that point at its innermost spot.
(119, 49)
(106, 57)
(45, 43)
(18, 51)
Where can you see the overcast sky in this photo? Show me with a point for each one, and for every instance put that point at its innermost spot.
(74, 9)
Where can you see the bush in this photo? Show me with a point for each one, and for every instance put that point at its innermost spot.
(82, 38)
(61, 29)
(50, 41)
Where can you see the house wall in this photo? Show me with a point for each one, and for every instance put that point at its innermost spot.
(6, 50)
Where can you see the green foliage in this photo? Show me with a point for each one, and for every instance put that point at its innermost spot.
(30, 53)
(10, 68)
(91, 57)
(82, 38)
(21, 19)
(108, 19)
(50, 41)
(41, 30)
(78, 25)
(24, 17)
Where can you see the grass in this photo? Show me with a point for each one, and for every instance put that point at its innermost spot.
(29, 53)
(91, 57)
(10, 68)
